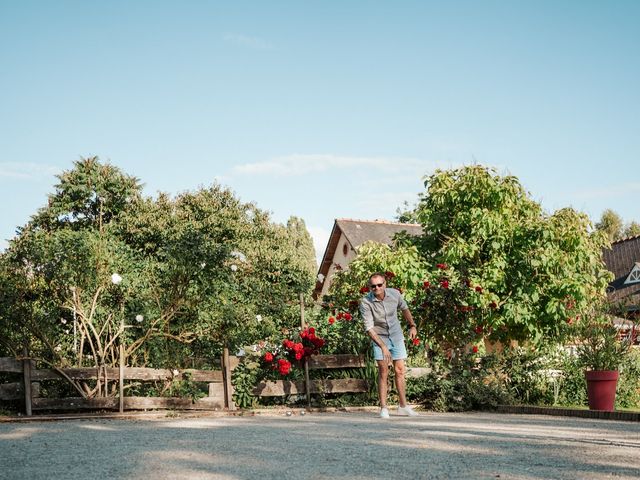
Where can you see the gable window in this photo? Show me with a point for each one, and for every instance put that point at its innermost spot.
(634, 275)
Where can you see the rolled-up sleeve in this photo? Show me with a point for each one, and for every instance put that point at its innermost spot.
(367, 315)
(402, 303)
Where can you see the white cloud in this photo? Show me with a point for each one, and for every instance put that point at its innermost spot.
(305, 164)
(26, 171)
(246, 41)
(612, 191)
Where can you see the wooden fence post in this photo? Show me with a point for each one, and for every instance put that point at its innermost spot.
(228, 388)
(307, 383)
(26, 370)
(121, 378)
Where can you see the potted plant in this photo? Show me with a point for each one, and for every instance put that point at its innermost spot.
(601, 351)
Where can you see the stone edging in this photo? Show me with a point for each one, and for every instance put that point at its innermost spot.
(570, 412)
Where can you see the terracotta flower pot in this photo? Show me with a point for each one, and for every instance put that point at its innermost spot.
(601, 389)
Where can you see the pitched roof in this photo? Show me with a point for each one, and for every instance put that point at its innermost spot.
(358, 232)
(620, 259)
(361, 231)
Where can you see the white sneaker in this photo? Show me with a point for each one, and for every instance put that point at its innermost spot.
(407, 412)
(384, 412)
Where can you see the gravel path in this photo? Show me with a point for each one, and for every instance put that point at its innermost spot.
(323, 445)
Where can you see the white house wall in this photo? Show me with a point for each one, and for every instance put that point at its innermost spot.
(339, 258)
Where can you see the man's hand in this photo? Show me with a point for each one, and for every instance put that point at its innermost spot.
(386, 355)
(413, 332)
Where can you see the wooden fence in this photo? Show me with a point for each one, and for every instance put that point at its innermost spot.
(220, 389)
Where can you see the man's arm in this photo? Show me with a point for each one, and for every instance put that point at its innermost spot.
(386, 353)
(413, 331)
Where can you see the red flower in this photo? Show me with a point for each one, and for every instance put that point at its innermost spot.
(288, 344)
(331, 320)
(299, 355)
(364, 290)
(426, 285)
(311, 330)
(284, 366)
(441, 266)
(268, 357)
(416, 341)
(493, 305)
(479, 329)
(347, 316)
(475, 349)
(444, 284)
(479, 289)
(569, 320)
(339, 316)
(389, 275)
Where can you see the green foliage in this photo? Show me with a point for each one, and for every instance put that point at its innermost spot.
(611, 224)
(632, 229)
(199, 272)
(245, 378)
(185, 388)
(628, 391)
(458, 385)
(533, 266)
(404, 264)
(599, 345)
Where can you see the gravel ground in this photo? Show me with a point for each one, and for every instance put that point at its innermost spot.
(323, 445)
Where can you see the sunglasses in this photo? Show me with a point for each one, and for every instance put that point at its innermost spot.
(374, 285)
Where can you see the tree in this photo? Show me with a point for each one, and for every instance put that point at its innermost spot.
(536, 269)
(611, 224)
(632, 229)
(172, 278)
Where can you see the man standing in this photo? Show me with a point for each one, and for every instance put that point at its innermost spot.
(379, 311)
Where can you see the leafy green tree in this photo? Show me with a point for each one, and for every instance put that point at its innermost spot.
(172, 278)
(611, 224)
(632, 229)
(535, 270)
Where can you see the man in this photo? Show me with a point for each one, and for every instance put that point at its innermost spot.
(379, 311)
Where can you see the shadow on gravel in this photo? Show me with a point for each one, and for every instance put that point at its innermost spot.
(319, 446)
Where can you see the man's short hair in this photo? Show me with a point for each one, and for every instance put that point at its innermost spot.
(377, 274)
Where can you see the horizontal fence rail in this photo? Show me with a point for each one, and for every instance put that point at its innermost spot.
(220, 390)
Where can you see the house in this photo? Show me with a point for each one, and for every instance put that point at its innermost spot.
(346, 236)
(623, 260)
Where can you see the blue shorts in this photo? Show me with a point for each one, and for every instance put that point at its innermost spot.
(397, 349)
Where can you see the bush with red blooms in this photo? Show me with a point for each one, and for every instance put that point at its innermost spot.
(453, 310)
(282, 357)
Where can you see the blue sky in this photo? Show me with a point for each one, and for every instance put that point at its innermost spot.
(322, 109)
